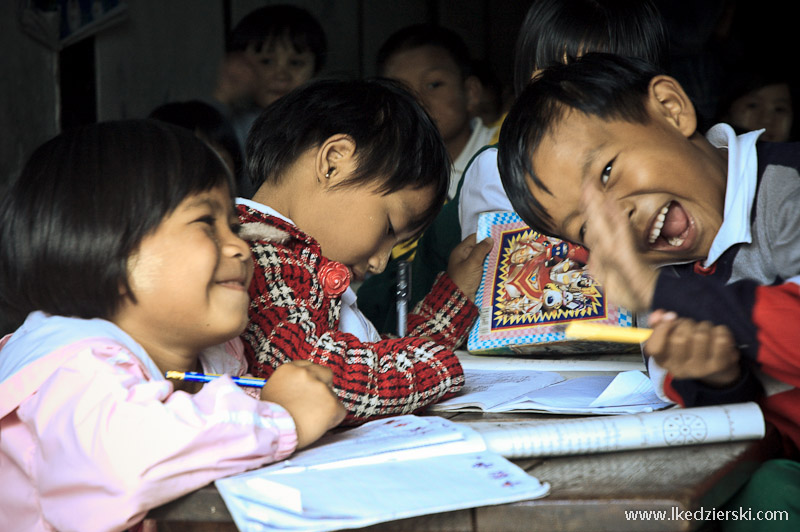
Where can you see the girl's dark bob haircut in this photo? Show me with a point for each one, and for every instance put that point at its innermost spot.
(81, 206)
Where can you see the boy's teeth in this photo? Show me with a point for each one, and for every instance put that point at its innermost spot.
(676, 241)
(659, 224)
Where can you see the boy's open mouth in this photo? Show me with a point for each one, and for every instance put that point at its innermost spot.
(670, 229)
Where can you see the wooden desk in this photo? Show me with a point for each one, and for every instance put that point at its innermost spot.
(588, 493)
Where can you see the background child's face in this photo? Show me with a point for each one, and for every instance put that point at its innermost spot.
(436, 79)
(190, 278)
(279, 69)
(769, 107)
(359, 227)
(671, 191)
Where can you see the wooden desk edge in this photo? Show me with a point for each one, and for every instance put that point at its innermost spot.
(565, 513)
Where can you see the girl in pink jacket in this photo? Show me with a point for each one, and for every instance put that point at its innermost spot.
(119, 252)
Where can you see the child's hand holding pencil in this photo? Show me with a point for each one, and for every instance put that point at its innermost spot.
(686, 348)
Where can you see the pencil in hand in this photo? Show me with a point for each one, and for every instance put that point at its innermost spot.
(606, 333)
(192, 376)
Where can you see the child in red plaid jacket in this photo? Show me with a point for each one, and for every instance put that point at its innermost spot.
(344, 171)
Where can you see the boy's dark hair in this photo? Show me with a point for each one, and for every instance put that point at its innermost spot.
(555, 31)
(397, 144)
(203, 119)
(81, 206)
(608, 86)
(418, 35)
(265, 25)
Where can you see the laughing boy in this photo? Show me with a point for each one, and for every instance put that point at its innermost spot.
(701, 231)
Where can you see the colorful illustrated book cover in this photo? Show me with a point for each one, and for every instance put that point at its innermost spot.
(532, 287)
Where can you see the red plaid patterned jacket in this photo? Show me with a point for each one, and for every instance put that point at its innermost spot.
(292, 318)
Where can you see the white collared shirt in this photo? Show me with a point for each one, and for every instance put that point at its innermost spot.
(740, 190)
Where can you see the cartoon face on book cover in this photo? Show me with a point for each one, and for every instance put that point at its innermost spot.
(533, 285)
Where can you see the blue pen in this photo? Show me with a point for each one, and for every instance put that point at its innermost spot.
(208, 377)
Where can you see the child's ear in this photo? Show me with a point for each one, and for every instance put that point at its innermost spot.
(335, 159)
(669, 100)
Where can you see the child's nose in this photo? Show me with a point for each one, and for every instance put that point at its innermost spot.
(378, 262)
(236, 247)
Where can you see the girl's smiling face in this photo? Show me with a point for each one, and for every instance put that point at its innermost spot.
(667, 180)
(189, 280)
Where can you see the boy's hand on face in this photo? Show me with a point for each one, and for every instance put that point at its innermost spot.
(236, 81)
(304, 390)
(465, 266)
(614, 260)
(693, 350)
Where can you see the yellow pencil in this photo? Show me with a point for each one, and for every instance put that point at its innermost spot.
(606, 333)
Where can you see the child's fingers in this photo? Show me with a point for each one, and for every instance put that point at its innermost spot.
(695, 350)
(724, 358)
(657, 344)
(660, 315)
(480, 250)
(470, 249)
(321, 373)
(465, 266)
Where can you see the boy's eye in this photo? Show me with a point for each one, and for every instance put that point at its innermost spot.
(210, 220)
(298, 63)
(434, 85)
(606, 174)
(582, 233)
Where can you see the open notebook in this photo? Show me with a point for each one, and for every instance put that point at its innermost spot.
(407, 466)
(384, 470)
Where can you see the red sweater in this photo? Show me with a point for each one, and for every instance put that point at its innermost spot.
(292, 318)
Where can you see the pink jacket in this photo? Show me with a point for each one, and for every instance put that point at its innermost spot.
(92, 436)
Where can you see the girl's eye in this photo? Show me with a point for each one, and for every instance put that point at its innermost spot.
(390, 229)
(208, 220)
(434, 85)
(606, 174)
(582, 233)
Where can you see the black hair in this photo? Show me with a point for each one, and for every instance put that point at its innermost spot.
(209, 124)
(418, 35)
(267, 24)
(555, 31)
(397, 143)
(81, 206)
(608, 86)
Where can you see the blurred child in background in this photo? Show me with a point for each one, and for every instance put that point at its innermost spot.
(271, 51)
